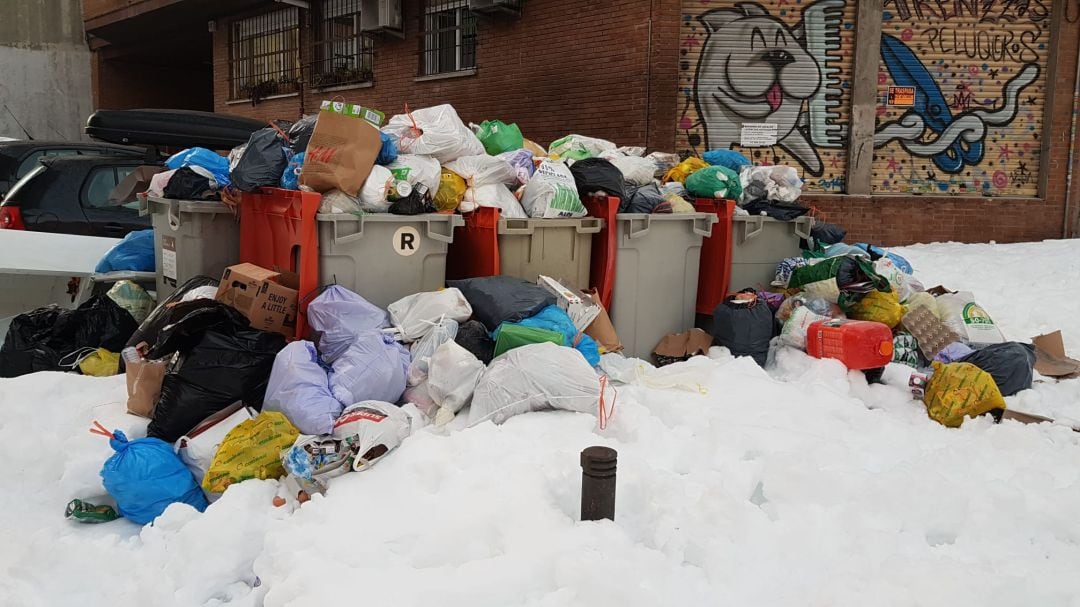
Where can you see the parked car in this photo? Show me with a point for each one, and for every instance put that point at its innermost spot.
(19, 157)
(70, 195)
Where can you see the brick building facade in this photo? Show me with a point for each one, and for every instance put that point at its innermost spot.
(994, 86)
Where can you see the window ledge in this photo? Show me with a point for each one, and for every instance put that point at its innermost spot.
(445, 75)
(268, 98)
(343, 87)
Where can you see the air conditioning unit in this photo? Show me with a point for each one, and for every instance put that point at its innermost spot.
(381, 16)
(494, 7)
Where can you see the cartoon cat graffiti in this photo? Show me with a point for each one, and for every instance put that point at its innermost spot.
(756, 68)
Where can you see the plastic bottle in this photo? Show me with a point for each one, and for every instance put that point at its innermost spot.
(859, 344)
(131, 355)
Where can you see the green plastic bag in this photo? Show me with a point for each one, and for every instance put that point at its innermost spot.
(514, 336)
(714, 182)
(499, 137)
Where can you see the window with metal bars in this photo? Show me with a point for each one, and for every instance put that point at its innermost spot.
(448, 36)
(341, 54)
(264, 55)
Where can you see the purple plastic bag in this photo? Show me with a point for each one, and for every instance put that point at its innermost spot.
(338, 315)
(522, 161)
(372, 368)
(953, 352)
(300, 388)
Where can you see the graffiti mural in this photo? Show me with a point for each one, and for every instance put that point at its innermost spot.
(978, 72)
(781, 63)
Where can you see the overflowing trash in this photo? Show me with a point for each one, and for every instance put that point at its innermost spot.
(255, 377)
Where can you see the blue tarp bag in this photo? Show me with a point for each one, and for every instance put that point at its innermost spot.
(290, 179)
(144, 476)
(554, 318)
(388, 151)
(135, 253)
(210, 160)
(726, 158)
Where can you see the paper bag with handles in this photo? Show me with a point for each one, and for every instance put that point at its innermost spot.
(340, 154)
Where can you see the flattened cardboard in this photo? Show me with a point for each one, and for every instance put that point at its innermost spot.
(1050, 357)
(267, 298)
(1030, 418)
(681, 346)
(601, 328)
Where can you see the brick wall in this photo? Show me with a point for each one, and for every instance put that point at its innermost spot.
(565, 66)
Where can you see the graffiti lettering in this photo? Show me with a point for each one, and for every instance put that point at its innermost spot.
(984, 45)
(985, 11)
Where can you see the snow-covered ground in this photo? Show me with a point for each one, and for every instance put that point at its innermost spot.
(800, 486)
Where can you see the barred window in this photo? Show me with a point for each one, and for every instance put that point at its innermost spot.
(264, 55)
(341, 54)
(449, 37)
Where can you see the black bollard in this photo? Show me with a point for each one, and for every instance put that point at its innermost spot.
(598, 483)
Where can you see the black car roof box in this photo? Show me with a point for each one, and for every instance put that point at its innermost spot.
(173, 128)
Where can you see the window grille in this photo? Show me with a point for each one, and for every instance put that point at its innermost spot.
(341, 54)
(264, 55)
(448, 35)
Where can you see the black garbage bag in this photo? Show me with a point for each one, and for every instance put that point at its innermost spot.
(499, 299)
(169, 311)
(782, 211)
(745, 329)
(262, 163)
(598, 175)
(186, 184)
(827, 233)
(40, 339)
(1009, 363)
(221, 360)
(300, 133)
(417, 202)
(474, 337)
(643, 199)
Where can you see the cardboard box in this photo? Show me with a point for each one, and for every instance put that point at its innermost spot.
(676, 347)
(582, 311)
(267, 298)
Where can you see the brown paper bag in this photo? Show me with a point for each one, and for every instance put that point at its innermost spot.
(601, 328)
(676, 347)
(144, 386)
(340, 154)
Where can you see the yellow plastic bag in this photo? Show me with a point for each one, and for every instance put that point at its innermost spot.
(959, 390)
(451, 190)
(101, 363)
(679, 204)
(251, 450)
(684, 169)
(879, 307)
(922, 298)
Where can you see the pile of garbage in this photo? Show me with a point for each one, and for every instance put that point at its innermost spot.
(861, 305)
(428, 160)
(229, 398)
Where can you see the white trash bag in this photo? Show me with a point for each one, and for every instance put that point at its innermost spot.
(552, 192)
(415, 315)
(535, 377)
(493, 195)
(970, 321)
(443, 331)
(579, 146)
(416, 170)
(197, 448)
(483, 170)
(453, 373)
(371, 429)
(434, 131)
(373, 194)
(635, 169)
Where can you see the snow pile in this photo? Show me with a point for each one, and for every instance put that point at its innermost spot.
(803, 485)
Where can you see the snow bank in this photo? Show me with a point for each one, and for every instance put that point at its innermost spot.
(801, 486)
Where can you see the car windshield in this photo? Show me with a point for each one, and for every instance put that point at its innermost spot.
(22, 183)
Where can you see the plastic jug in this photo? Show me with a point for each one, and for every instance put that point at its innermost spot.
(859, 344)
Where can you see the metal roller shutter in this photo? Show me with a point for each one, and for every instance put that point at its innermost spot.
(778, 63)
(961, 90)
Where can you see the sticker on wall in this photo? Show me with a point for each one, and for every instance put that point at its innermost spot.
(757, 134)
(901, 96)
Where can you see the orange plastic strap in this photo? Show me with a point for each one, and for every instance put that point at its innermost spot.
(283, 134)
(99, 429)
(605, 413)
(817, 213)
(416, 132)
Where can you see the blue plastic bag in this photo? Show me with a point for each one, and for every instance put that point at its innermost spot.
(902, 264)
(554, 318)
(144, 476)
(300, 388)
(388, 151)
(291, 177)
(135, 253)
(726, 158)
(217, 164)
